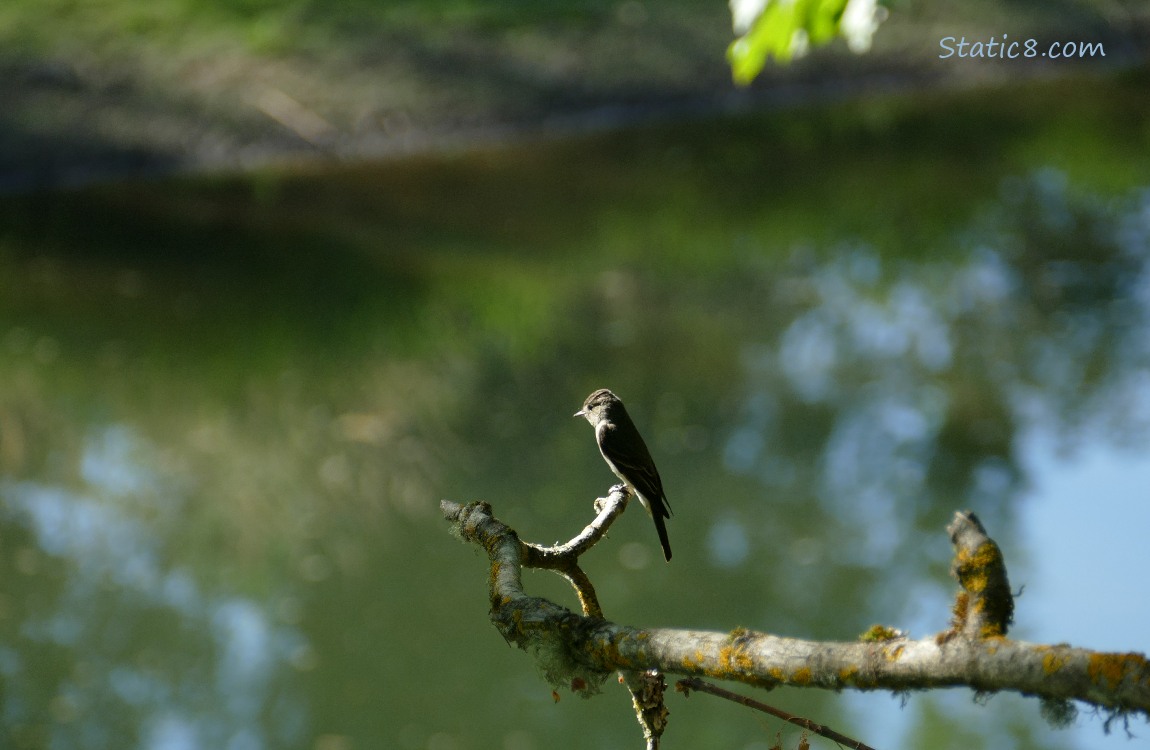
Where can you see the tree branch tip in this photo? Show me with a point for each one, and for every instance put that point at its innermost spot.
(984, 607)
(453, 511)
(965, 523)
(615, 494)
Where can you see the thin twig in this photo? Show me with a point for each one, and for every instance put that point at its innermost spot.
(607, 510)
(694, 683)
(564, 558)
(584, 589)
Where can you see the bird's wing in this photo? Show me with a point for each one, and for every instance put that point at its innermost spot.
(632, 458)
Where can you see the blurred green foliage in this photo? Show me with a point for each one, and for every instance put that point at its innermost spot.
(784, 29)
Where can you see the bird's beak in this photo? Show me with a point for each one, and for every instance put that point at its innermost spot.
(580, 413)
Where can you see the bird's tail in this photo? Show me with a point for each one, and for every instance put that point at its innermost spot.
(661, 527)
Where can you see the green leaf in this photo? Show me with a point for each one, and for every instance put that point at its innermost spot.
(785, 29)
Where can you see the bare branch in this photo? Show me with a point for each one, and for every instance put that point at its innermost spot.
(580, 651)
(984, 608)
(475, 523)
(608, 509)
(564, 558)
(647, 690)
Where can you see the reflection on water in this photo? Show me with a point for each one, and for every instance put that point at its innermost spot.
(151, 648)
(228, 412)
(919, 373)
(909, 383)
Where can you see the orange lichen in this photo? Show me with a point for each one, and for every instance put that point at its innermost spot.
(802, 676)
(986, 592)
(847, 674)
(777, 674)
(612, 652)
(973, 573)
(1109, 669)
(961, 610)
(694, 661)
(1052, 662)
(991, 630)
(735, 659)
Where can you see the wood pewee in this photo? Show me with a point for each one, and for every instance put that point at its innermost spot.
(625, 452)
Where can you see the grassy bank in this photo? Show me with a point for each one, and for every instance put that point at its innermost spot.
(130, 88)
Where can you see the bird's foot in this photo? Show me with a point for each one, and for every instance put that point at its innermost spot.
(601, 502)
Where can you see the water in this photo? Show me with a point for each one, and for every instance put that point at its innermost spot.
(229, 408)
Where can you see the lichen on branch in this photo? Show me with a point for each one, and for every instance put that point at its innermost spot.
(581, 651)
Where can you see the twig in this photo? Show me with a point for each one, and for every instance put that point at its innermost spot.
(694, 683)
(607, 510)
(564, 558)
(984, 608)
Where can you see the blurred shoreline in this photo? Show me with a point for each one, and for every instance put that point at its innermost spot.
(72, 120)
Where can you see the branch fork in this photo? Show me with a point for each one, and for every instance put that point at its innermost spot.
(579, 651)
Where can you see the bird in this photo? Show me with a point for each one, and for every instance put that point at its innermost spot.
(625, 452)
